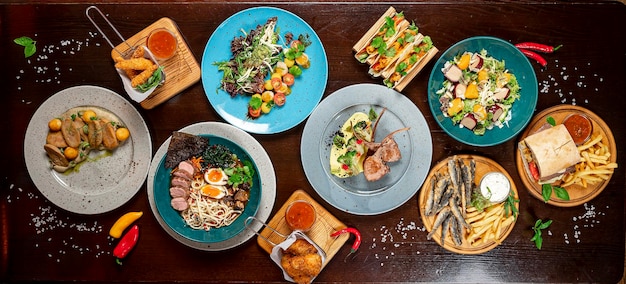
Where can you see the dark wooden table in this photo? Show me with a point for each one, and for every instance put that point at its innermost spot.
(42, 242)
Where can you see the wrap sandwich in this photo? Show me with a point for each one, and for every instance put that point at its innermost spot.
(385, 34)
(548, 154)
(404, 41)
(408, 60)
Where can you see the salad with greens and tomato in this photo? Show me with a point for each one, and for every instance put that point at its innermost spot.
(263, 69)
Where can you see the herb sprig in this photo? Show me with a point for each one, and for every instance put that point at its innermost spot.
(539, 225)
(29, 45)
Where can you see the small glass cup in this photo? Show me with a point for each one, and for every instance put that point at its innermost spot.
(300, 215)
(162, 43)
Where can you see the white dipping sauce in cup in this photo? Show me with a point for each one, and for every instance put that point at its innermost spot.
(495, 186)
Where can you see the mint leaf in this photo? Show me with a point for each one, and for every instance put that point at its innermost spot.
(546, 192)
(29, 50)
(551, 121)
(24, 41)
(28, 44)
(561, 193)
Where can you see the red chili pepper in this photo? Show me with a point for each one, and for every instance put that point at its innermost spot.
(355, 232)
(538, 47)
(126, 244)
(535, 56)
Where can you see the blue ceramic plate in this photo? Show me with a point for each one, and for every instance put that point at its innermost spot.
(355, 194)
(262, 192)
(516, 63)
(306, 92)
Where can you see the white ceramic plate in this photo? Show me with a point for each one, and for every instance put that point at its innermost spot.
(108, 181)
(356, 195)
(263, 164)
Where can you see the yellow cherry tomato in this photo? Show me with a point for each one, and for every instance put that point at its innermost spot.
(289, 62)
(122, 134)
(266, 107)
(268, 85)
(88, 115)
(55, 124)
(267, 96)
(70, 153)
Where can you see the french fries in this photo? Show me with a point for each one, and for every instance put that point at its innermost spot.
(595, 165)
(487, 225)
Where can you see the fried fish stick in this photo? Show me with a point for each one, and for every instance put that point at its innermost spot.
(135, 64)
(143, 76)
(129, 72)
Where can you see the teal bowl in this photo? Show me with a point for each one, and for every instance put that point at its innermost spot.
(522, 109)
(172, 217)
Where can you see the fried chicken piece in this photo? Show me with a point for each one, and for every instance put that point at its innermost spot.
(143, 76)
(301, 261)
(135, 64)
(301, 247)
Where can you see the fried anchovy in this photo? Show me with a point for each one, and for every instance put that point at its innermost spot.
(446, 198)
(431, 197)
(438, 221)
(442, 185)
(453, 171)
(456, 211)
(445, 227)
(456, 230)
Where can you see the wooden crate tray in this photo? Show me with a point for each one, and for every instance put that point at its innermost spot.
(181, 70)
(324, 225)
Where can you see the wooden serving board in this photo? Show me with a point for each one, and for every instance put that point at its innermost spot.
(324, 225)
(483, 166)
(181, 70)
(577, 193)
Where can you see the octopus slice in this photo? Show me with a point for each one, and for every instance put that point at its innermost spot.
(56, 138)
(70, 134)
(56, 157)
(109, 140)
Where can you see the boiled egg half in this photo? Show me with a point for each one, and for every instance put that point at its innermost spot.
(215, 176)
(213, 191)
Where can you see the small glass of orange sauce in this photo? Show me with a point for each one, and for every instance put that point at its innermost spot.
(162, 43)
(579, 127)
(300, 215)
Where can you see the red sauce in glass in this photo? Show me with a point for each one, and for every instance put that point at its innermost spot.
(579, 127)
(300, 216)
(162, 43)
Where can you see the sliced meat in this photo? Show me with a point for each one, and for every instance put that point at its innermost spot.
(187, 167)
(476, 62)
(501, 94)
(469, 121)
(453, 74)
(176, 191)
(179, 204)
(459, 90)
(181, 174)
(56, 157)
(389, 151)
(109, 140)
(178, 181)
(374, 168)
(95, 133)
(56, 139)
(71, 136)
(496, 112)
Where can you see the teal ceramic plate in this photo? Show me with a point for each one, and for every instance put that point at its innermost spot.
(306, 92)
(516, 63)
(262, 192)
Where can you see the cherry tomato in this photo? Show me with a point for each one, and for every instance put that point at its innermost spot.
(279, 99)
(276, 83)
(295, 44)
(254, 112)
(288, 79)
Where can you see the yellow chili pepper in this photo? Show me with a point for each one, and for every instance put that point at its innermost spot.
(123, 222)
